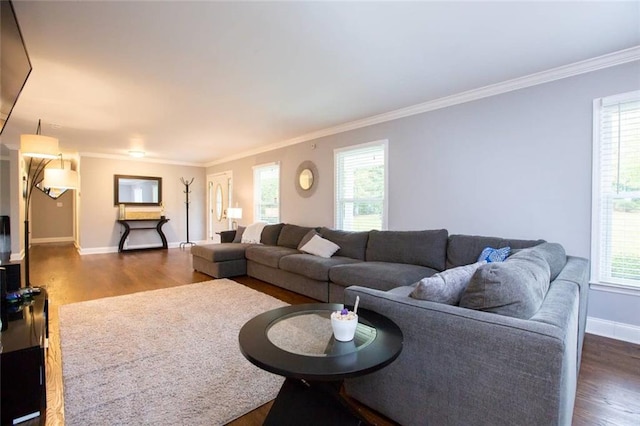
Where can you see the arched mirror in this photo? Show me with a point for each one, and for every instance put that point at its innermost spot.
(219, 202)
(306, 179)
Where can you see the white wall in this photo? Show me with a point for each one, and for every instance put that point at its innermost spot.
(98, 229)
(515, 165)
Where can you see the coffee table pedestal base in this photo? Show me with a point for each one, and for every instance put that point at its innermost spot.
(311, 403)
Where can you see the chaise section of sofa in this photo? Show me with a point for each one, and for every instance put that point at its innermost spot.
(220, 260)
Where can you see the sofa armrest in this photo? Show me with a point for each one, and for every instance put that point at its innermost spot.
(460, 366)
(227, 236)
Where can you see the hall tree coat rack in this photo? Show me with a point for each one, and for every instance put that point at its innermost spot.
(187, 191)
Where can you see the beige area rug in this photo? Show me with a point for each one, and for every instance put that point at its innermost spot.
(163, 357)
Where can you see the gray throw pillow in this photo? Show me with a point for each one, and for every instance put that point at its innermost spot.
(238, 236)
(553, 253)
(515, 287)
(446, 286)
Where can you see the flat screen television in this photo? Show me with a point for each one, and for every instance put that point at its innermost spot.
(15, 65)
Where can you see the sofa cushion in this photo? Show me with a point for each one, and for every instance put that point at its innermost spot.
(425, 248)
(238, 236)
(320, 247)
(553, 253)
(220, 252)
(268, 255)
(465, 249)
(270, 234)
(310, 266)
(352, 244)
(291, 235)
(515, 287)
(379, 275)
(446, 286)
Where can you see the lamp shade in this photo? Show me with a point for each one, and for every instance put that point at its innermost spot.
(39, 146)
(60, 178)
(234, 213)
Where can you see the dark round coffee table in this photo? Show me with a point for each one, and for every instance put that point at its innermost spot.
(297, 342)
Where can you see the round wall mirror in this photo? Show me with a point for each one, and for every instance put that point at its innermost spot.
(219, 202)
(306, 179)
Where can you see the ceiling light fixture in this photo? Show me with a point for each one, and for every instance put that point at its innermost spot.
(136, 154)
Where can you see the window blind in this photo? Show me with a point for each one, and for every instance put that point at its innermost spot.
(617, 191)
(266, 193)
(360, 203)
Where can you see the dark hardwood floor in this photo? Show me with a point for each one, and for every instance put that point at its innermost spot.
(608, 387)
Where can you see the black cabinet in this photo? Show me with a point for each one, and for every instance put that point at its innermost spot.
(22, 363)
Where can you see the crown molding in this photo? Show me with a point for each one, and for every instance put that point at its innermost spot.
(620, 57)
(139, 160)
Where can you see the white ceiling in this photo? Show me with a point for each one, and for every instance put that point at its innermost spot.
(197, 82)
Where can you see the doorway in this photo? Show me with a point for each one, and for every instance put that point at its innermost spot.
(219, 198)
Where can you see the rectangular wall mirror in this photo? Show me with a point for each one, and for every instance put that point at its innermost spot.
(137, 190)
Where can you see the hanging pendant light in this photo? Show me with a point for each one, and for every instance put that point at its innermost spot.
(38, 146)
(60, 178)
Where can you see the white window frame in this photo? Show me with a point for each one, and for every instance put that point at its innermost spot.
(385, 205)
(257, 193)
(598, 280)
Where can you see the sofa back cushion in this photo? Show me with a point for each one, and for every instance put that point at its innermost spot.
(515, 287)
(424, 248)
(291, 235)
(270, 234)
(465, 249)
(352, 244)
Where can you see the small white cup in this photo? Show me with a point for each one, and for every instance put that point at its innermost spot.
(344, 330)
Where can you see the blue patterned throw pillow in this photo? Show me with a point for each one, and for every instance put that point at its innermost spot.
(490, 254)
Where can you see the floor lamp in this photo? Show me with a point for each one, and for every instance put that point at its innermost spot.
(41, 150)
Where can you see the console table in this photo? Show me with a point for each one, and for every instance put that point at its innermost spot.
(22, 359)
(127, 229)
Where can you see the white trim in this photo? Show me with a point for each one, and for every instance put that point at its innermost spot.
(259, 166)
(114, 249)
(620, 98)
(614, 330)
(52, 240)
(616, 288)
(141, 160)
(621, 57)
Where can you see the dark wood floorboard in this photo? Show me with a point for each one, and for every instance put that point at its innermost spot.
(608, 387)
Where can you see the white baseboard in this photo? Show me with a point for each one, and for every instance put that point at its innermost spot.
(114, 249)
(614, 330)
(97, 250)
(52, 240)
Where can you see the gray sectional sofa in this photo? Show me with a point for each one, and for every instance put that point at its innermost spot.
(489, 359)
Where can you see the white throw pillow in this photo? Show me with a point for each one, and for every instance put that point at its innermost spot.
(253, 232)
(318, 246)
(446, 286)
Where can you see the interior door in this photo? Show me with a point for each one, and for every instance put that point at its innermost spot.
(219, 199)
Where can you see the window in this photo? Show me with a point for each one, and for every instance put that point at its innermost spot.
(361, 187)
(266, 193)
(615, 251)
